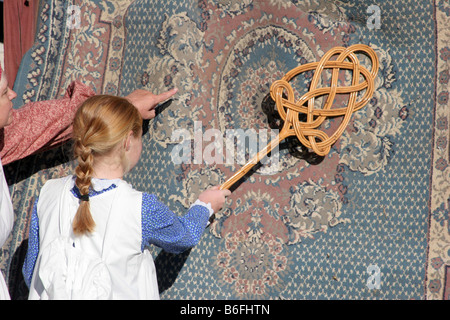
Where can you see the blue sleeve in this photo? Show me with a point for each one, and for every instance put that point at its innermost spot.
(33, 247)
(163, 228)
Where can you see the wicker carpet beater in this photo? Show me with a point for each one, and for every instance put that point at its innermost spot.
(289, 109)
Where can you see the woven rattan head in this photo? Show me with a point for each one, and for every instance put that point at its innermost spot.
(307, 132)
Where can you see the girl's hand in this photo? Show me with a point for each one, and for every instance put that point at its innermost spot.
(215, 197)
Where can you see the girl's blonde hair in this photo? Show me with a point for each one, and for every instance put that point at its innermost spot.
(101, 123)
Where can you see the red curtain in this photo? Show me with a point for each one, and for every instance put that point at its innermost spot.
(19, 21)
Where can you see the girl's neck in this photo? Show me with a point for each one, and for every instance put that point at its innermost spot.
(107, 175)
(107, 170)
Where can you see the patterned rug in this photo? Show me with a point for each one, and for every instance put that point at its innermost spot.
(369, 221)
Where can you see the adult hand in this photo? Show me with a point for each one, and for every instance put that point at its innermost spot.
(146, 102)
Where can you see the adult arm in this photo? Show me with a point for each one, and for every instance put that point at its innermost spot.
(41, 125)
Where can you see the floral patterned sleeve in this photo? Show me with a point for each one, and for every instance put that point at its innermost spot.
(41, 124)
(163, 228)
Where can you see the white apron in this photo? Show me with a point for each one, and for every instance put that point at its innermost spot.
(6, 224)
(107, 264)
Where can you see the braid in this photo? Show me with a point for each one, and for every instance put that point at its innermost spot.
(84, 169)
(83, 221)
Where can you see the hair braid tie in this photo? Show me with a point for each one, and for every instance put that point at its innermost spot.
(84, 197)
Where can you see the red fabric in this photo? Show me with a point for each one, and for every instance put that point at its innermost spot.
(19, 30)
(41, 125)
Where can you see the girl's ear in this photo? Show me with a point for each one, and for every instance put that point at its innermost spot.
(127, 143)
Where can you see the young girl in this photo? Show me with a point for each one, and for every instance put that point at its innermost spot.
(89, 232)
